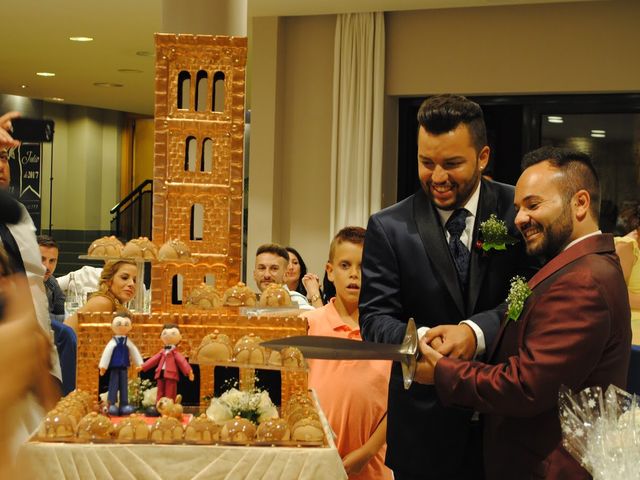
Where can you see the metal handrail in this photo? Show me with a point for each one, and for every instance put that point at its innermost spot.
(135, 192)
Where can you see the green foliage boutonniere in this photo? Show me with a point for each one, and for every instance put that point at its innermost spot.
(494, 235)
(518, 294)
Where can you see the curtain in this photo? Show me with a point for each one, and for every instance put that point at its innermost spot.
(358, 98)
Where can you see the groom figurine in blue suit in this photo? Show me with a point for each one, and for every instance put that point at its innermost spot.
(424, 259)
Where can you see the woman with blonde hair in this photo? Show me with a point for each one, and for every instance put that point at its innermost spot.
(117, 287)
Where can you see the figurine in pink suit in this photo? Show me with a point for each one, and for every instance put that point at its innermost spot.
(169, 362)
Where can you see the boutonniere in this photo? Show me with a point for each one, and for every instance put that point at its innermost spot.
(518, 294)
(494, 235)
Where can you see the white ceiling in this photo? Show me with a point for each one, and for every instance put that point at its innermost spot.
(35, 37)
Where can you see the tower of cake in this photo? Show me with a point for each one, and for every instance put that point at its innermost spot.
(198, 164)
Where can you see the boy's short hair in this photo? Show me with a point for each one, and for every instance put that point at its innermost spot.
(47, 241)
(347, 234)
(275, 249)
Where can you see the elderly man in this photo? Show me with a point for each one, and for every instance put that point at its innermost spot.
(570, 325)
(271, 265)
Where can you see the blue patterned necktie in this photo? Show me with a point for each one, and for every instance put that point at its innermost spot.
(460, 253)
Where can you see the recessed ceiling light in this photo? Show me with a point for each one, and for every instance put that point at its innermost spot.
(144, 53)
(598, 133)
(555, 119)
(129, 70)
(108, 84)
(23, 86)
(56, 99)
(81, 39)
(45, 74)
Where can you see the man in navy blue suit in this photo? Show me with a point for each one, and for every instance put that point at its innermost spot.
(423, 259)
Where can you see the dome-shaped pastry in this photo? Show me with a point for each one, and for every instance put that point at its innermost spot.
(174, 250)
(132, 428)
(302, 413)
(238, 430)
(203, 297)
(274, 430)
(239, 296)
(274, 358)
(249, 350)
(202, 430)
(57, 425)
(296, 401)
(95, 426)
(291, 357)
(275, 296)
(214, 347)
(105, 247)
(166, 430)
(307, 430)
(140, 247)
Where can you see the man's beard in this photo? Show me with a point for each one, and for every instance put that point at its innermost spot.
(463, 193)
(555, 236)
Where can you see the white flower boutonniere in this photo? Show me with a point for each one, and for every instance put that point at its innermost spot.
(518, 294)
(495, 234)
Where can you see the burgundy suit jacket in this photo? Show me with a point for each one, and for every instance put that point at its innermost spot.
(172, 361)
(574, 330)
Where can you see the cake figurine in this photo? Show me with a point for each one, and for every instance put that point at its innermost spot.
(275, 295)
(95, 426)
(249, 350)
(142, 248)
(274, 430)
(166, 430)
(116, 357)
(238, 430)
(202, 430)
(174, 250)
(215, 347)
(239, 296)
(168, 362)
(132, 429)
(106, 247)
(167, 407)
(204, 297)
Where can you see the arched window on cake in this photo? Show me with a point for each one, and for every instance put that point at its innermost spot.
(202, 84)
(210, 279)
(206, 160)
(176, 289)
(190, 154)
(218, 92)
(197, 222)
(184, 90)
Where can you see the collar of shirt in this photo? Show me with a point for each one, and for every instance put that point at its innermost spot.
(338, 325)
(571, 244)
(472, 208)
(167, 350)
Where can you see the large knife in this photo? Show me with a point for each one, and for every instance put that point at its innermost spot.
(332, 348)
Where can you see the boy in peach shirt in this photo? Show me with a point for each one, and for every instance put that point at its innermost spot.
(352, 393)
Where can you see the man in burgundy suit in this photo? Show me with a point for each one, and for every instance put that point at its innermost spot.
(573, 330)
(168, 362)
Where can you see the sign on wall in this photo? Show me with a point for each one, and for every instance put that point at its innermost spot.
(25, 163)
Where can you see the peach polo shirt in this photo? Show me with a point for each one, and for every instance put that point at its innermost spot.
(352, 393)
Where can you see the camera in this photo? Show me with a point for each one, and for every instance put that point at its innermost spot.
(32, 130)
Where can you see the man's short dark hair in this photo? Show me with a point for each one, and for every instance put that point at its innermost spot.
(577, 167)
(442, 113)
(47, 241)
(275, 249)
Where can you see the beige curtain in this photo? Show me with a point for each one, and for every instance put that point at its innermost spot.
(358, 97)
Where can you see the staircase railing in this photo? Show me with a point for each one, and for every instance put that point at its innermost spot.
(132, 215)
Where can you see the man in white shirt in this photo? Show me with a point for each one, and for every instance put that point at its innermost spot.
(271, 265)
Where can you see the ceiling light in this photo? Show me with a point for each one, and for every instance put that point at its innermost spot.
(555, 119)
(45, 74)
(129, 70)
(56, 99)
(598, 133)
(108, 84)
(81, 39)
(23, 86)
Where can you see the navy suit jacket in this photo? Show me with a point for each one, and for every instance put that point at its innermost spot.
(408, 271)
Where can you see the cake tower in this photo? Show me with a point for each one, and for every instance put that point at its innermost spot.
(198, 177)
